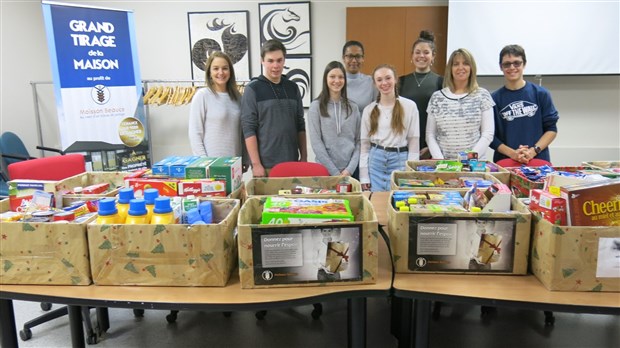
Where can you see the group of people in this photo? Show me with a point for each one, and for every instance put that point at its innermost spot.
(368, 126)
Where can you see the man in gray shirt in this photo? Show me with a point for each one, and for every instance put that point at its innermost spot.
(272, 114)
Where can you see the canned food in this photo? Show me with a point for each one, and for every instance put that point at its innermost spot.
(64, 216)
(344, 187)
(44, 216)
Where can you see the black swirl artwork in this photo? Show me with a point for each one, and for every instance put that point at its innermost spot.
(290, 25)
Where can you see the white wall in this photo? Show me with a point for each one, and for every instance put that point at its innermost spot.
(589, 106)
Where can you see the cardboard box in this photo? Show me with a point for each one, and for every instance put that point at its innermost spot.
(199, 169)
(272, 186)
(580, 258)
(163, 167)
(593, 204)
(177, 168)
(43, 253)
(116, 180)
(166, 187)
(202, 188)
(551, 207)
(227, 169)
(521, 186)
(444, 176)
(300, 210)
(460, 242)
(299, 254)
(21, 191)
(166, 255)
(502, 174)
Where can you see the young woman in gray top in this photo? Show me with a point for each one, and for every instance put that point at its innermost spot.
(334, 124)
(214, 117)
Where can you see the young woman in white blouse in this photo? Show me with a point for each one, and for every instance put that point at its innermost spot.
(214, 119)
(389, 132)
(460, 116)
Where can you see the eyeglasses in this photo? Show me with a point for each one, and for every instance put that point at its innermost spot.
(357, 57)
(516, 64)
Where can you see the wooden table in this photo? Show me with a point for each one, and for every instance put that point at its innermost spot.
(228, 298)
(415, 292)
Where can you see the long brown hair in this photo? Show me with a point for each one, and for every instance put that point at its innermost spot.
(324, 96)
(231, 84)
(397, 123)
(448, 80)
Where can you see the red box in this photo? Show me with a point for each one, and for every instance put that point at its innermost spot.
(552, 208)
(166, 187)
(96, 189)
(202, 188)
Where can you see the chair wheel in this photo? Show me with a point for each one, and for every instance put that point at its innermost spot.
(171, 318)
(91, 339)
(25, 334)
(46, 306)
(549, 319)
(436, 314)
(317, 311)
(137, 312)
(227, 314)
(486, 311)
(260, 315)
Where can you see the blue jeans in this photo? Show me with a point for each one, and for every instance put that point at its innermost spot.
(381, 164)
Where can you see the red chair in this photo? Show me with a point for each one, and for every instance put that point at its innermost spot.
(293, 169)
(48, 168)
(534, 162)
(55, 168)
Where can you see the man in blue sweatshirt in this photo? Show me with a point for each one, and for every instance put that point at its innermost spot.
(525, 117)
(272, 114)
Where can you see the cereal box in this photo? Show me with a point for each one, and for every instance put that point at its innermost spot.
(281, 210)
(593, 204)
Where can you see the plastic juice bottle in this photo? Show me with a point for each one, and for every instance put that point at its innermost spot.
(137, 212)
(108, 213)
(124, 196)
(162, 212)
(149, 197)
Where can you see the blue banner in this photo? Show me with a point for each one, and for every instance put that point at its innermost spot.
(97, 81)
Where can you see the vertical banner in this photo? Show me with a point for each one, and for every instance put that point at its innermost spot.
(97, 85)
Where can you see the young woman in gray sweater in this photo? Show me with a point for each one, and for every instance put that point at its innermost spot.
(334, 124)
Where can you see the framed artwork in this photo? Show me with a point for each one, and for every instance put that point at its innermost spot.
(299, 70)
(288, 22)
(219, 31)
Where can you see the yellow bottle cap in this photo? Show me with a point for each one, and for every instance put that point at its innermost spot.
(400, 204)
(475, 209)
(412, 200)
(404, 208)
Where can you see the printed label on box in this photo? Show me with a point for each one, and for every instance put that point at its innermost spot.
(282, 250)
(608, 264)
(436, 239)
(461, 244)
(313, 254)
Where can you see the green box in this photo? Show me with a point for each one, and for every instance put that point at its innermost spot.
(228, 169)
(281, 210)
(199, 169)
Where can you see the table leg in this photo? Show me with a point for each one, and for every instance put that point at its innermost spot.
(75, 323)
(103, 319)
(422, 322)
(7, 324)
(356, 317)
(404, 328)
